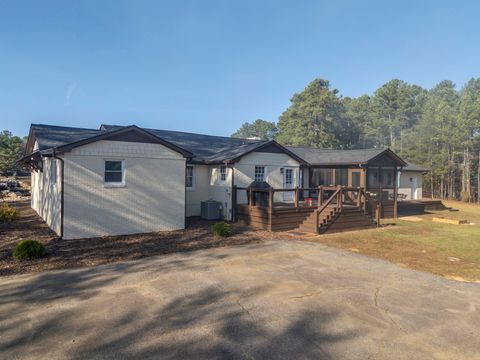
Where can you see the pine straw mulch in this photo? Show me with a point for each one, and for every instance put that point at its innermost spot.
(65, 254)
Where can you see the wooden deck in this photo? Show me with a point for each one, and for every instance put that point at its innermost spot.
(432, 204)
(346, 209)
(303, 219)
(283, 218)
(418, 207)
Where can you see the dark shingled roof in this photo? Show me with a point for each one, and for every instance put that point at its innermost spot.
(316, 156)
(413, 167)
(50, 136)
(206, 148)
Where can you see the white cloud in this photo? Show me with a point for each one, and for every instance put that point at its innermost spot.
(69, 92)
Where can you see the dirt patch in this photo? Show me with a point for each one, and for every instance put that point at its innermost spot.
(63, 254)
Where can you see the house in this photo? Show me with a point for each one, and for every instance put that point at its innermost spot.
(118, 180)
(410, 181)
(367, 186)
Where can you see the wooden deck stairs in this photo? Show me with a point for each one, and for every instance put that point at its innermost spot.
(333, 219)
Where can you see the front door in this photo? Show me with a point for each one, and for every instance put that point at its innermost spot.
(288, 184)
(355, 178)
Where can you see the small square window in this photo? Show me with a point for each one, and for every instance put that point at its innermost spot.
(259, 173)
(223, 173)
(114, 172)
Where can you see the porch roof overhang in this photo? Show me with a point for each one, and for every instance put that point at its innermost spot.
(330, 158)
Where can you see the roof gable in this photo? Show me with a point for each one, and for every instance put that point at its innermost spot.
(270, 147)
(329, 157)
(130, 133)
(387, 157)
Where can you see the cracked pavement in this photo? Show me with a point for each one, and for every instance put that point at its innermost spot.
(276, 300)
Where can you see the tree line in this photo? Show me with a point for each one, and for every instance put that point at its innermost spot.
(11, 150)
(437, 128)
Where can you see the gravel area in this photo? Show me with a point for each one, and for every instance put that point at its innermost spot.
(64, 254)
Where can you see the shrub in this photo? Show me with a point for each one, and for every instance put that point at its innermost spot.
(8, 213)
(221, 228)
(28, 249)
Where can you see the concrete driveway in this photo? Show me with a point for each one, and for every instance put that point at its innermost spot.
(278, 300)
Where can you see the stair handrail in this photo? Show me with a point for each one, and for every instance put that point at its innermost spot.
(337, 194)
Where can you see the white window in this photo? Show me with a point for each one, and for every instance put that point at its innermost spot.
(259, 173)
(53, 172)
(223, 173)
(114, 172)
(189, 177)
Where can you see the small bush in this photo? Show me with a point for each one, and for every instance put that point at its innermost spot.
(8, 213)
(28, 249)
(221, 228)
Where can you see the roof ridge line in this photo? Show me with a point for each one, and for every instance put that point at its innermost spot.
(192, 133)
(66, 127)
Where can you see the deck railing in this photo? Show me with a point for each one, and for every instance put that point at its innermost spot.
(342, 195)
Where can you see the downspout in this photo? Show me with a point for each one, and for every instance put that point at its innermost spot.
(62, 194)
(185, 194)
(233, 195)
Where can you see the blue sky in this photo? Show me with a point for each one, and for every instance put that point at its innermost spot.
(208, 66)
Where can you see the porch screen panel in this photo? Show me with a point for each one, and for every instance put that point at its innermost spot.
(321, 177)
(355, 179)
(341, 177)
(388, 179)
(372, 177)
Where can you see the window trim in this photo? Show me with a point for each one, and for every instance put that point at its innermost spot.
(222, 175)
(190, 188)
(114, 184)
(264, 173)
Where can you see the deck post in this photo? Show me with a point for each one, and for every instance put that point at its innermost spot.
(317, 222)
(378, 213)
(250, 197)
(320, 196)
(339, 197)
(296, 197)
(270, 208)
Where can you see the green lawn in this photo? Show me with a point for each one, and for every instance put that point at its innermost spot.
(445, 249)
